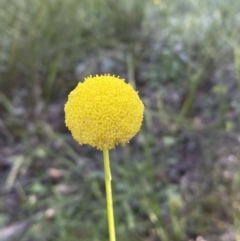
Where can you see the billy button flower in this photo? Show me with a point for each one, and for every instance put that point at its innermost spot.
(103, 112)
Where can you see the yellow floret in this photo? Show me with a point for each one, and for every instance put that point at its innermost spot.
(103, 112)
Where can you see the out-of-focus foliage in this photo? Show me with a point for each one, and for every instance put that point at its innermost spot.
(179, 178)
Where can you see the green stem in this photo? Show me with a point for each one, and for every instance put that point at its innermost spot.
(108, 179)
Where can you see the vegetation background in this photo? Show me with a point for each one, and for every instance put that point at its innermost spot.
(178, 179)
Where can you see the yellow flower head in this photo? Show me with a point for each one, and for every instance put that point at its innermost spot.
(157, 2)
(103, 112)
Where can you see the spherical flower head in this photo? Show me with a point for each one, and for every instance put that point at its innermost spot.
(103, 112)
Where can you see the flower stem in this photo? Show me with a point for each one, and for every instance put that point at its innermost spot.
(108, 179)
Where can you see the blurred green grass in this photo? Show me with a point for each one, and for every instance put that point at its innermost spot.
(178, 179)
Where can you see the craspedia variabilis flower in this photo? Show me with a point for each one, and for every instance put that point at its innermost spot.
(103, 112)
